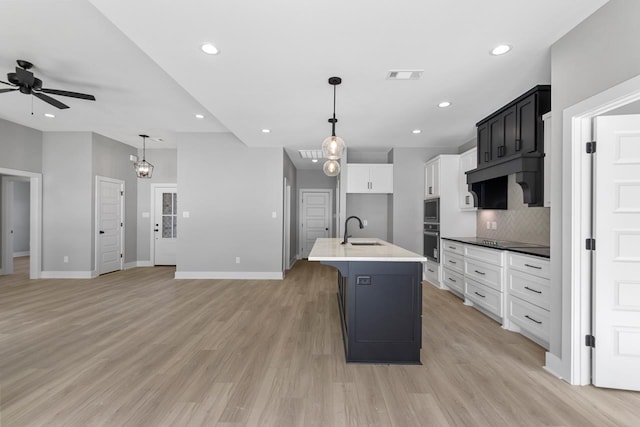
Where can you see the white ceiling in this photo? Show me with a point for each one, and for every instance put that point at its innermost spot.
(142, 61)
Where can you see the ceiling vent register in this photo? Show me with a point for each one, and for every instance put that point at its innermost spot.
(405, 74)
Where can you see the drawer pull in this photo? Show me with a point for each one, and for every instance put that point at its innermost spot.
(533, 266)
(532, 319)
(480, 295)
(532, 290)
(452, 247)
(452, 262)
(452, 279)
(430, 270)
(479, 272)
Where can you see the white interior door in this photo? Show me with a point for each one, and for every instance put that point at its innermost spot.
(616, 302)
(315, 218)
(165, 225)
(110, 225)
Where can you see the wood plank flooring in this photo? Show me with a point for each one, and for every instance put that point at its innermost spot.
(138, 348)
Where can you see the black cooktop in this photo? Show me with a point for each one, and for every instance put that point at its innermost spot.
(528, 248)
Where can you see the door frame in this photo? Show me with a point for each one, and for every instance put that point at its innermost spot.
(329, 191)
(152, 217)
(35, 221)
(96, 231)
(286, 226)
(577, 126)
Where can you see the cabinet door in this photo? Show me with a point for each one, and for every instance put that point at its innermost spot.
(381, 178)
(527, 124)
(547, 160)
(468, 161)
(436, 178)
(496, 137)
(510, 132)
(429, 189)
(484, 148)
(358, 178)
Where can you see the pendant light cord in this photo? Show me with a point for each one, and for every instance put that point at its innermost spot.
(333, 123)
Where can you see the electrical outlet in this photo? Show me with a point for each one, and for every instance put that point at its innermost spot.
(274, 214)
(237, 260)
(65, 259)
(488, 225)
(494, 225)
(364, 222)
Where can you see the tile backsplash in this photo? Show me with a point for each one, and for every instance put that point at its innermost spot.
(519, 223)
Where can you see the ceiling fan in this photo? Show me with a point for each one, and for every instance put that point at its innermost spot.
(24, 81)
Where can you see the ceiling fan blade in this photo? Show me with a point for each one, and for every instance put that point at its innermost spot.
(9, 84)
(7, 90)
(50, 100)
(67, 93)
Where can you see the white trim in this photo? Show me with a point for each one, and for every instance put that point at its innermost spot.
(97, 220)
(35, 218)
(299, 227)
(152, 217)
(136, 264)
(237, 275)
(576, 305)
(20, 254)
(68, 274)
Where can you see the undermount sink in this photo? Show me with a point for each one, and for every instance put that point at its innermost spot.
(365, 244)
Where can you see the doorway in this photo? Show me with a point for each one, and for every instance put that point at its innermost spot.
(616, 245)
(110, 224)
(165, 224)
(8, 177)
(315, 217)
(286, 225)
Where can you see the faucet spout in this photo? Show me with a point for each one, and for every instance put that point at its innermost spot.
(346, 234)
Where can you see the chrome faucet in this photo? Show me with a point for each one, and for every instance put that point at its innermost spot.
(346, 235)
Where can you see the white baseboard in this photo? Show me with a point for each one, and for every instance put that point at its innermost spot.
(19, 254)
(292, 262)
(236, 275)
(553, 365)
(136, 264)
(67, 274)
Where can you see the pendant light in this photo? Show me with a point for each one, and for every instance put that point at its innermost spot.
(333, 146)
(143, 168)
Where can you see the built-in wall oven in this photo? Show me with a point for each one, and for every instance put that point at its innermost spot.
(431, 230)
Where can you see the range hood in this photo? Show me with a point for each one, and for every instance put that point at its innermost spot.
(489, 185)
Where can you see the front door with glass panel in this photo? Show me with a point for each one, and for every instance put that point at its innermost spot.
(165, 225)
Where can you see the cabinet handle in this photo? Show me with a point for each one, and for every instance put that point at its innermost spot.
(501, 151)
(518, 144)
(486, 156)
(532, 319)
(480, 295)
(452, 247)
(452, 279)
(533, 266)
(430, 190)
(532, 290)
(452, 262)
(479, 272)
(430, 270)
(466, 200)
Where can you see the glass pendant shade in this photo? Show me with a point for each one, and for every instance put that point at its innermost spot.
(143, 168)
(331, 168)
(332, 147)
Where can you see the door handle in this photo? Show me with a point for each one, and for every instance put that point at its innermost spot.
(101, 232)
(156, 230)
(326, 229)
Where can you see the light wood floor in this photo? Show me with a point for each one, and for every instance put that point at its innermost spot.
(137, 348)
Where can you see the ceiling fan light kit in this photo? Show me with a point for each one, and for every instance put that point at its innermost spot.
(333, 146)
(143, 168)
(24, 81)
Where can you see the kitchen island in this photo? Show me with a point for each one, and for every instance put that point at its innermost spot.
(379, 298)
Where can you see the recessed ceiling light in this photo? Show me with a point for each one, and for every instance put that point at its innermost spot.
(209, 49)
(314, 160)
(199, 116)
(51, 116)
(416, 131)
(266, 130)
(500, 49)
(444, 104)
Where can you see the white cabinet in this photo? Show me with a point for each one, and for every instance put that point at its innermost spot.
(528, 300)
(468, 161)
(453, 266)
(432, 179)
(369, 178)
(432, 272)
(484, 280)
(547, 159)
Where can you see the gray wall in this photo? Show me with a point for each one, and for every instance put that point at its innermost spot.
(230, 192)
(408, 194)
(599, 53)
(165, 165)
(111, 159)
(20, 216)
(291, 173)
(67, 212)
(373, 209)
(20, 147)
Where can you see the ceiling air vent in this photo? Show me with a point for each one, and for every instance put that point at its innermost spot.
(404, 74)
(311, 154)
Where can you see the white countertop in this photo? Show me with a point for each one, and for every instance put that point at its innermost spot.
(331, 249)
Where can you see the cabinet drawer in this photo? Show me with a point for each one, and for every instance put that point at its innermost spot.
(529, 288)
(454, 247)
(529, 317)
(453, 261)
(487, 274)
(529, 264)
(487, 298)
(492, 256)
(453, 280)
(432, 273)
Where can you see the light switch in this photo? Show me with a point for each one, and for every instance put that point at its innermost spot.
(274, 214)
(145, 215)
(364, 222)
(494, 225)
(185, 214)
(488, 225)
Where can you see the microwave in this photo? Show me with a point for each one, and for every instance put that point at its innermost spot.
(432, 210)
